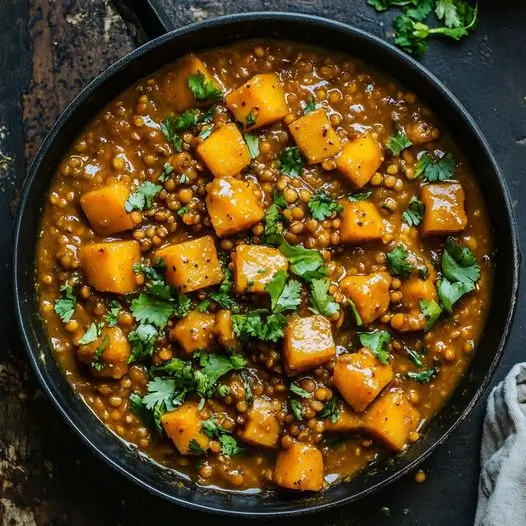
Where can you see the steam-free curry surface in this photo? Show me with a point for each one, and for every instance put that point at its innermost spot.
(265, 265)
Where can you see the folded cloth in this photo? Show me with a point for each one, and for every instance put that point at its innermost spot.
(502, 484)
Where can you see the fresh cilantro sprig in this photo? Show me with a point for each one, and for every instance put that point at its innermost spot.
(66, 305)
(331, 409)
(298, 391)
(112, 314)
(259, 324)
(291, 161)
(321, 206)
(435, 169)
(431, 311)
(142, 198)
(223, 296)
(398, 141)
(414, 212)
(202, 89)
(361, 196)
(397, 262)
(284, 295)
(97, 362)
(377, 341)
(423, 376)
(306, 263)
(321, 301)
(229, 445)
(92, 333)
(252, 144)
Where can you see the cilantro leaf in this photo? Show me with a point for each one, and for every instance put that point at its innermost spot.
(454, 13)
(215, 367)
(273, 225)
(186, 120)
(142, 198)
(65, 306)
(252, 145)
(201, 88)
(139, 409)
(431, 311)
(152, 310)
(362, 196)
(420, 11)
(310, 106)
(398, 141)
(321, 301)
(167, 127)
(306, 263)
(229, 446)
(331, 409)
(397, 262)
(91, 334)
(383, 5)
(195, 448)
(162, 395)
(283, 296)
(167, 170)
(376, 341)
(143, 340)
(295, 407)
(423, 376)
(357, 316)
(298, 391)
(322, 206)
(180, 369)
(415, 358)
(97, 362)
(224, 295)
(433, 169)
(414, 212)
(258, 324)
(112, 314)
(251, 117)
(291, 161)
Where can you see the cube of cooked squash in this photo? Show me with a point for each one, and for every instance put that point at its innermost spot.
(315, 136)
(359, 160)
(360, 378)
(308, 343)
(262, 426)
(195, 331)
(299, 467)
(104, 208)
(232, 205)
(255, 266)
(444, 209)
(347, 421)
(414, 290)
(183, 426)
(108, 266)
(370, 294)
(225, 152)
(174, 84)
(361, 222)
(223, 329)
(112, 348)
(192, 265)
(258, 102)
(391, 419)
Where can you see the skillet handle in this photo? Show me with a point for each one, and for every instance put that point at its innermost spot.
(144, 19)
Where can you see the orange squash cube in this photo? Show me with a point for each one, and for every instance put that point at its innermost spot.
(232, 205)
(391, 419)
(370, 294)
(195, 331)
(104, 208)
(258, 102)
(223, 329)
(108, 266)
(225, 152)
(359, 160)
(347, 420)
(315, 136)
(360, 378)
(115, 354)
(255, 266)
(192, 265)
(183, 426)
(262, 425)
(444, 209)
(299, 467)
(361, 222)
(308, 343)
(414, 290)
(174, 84)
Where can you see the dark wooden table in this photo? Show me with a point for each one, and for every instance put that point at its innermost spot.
(48, 50)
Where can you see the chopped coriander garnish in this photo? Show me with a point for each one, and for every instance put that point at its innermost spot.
(151, 310)
(65, 306)
(273, 225)
(321, 301)
(415, 358)
(223, 390)
(167, 170)
(229, 445)
(431, 311)
(91, 334)
(321, 206)
(214, 367)
(357, 316)
(362, 196)
(224, 296)
(205, 132)
(283, 295)
(143, 340)
(195, 448)
(295, 407)
(139, 409)
(251, 117)
(423, 273)
(331, 409)
(202, 89)
(182, 211)
(436, 169)
(142, 198)
(171, 134)
(291, 161)
(306, 263)
(112, 314)
(187, 119)
(397, 262)
(398, 141)
(310, 106)
(259, 324)
(252, 144)
(298, 391)
(377, 341)
(414, 212)
(423, 376)
(97, 362)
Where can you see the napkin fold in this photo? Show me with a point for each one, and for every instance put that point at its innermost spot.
(502, 483)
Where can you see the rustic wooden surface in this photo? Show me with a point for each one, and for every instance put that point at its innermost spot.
(48, 50)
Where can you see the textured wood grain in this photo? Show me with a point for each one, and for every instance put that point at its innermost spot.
(49, 49)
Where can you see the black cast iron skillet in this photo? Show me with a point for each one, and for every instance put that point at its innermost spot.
(146, 60)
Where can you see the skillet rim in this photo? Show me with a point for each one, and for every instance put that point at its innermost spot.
(316, 22)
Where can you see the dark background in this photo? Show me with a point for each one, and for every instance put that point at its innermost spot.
(48, 50)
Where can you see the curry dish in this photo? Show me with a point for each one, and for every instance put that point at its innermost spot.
(265, 266)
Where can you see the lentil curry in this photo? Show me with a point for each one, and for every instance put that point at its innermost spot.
(265, 265)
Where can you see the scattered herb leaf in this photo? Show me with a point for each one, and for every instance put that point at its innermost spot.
(321, 206)
(376, 341)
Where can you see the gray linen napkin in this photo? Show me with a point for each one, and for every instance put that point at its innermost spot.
(502, 484)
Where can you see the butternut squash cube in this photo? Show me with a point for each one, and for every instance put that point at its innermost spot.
(174, 84)
(414, 290)
(108, 266)
(391, 419)
(361, 222)
(192, 265)
(116, 350)
(195, 331)
(258, 102)
(360, 378)
(232, 205)
(308, 343)
(299, 467)
(444, 209)
(347, 421)
(225, 152)
(315, 136)
(255, 266)
(183, 426)
(104, 208)
(370, 294)
(262, 425)
(359, 160)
